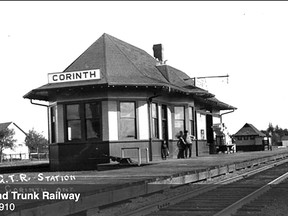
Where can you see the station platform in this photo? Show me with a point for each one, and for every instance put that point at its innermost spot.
(118, 183)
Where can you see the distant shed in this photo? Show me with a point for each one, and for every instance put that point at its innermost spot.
(249, 138)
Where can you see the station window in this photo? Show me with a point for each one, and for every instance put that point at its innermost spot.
(73, 122)
(239, 138)
(191, 120)
(179, 119)
(155, 128)
(83, 121)
(127, 120)
(93, 120)
(164, 122)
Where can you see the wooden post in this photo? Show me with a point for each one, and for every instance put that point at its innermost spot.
(139, 156)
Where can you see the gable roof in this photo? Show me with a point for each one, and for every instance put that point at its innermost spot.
(122, 64)
(249, 130)
(5, 125)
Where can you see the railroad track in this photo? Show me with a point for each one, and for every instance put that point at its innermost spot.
(220, 198)
(272, 202)
(232, 198)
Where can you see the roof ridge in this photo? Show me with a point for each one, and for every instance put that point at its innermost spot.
(110, 36)
(151, 78)
(125, 55)
(252, 127)
(19, 128)
(7, 122)
(180, 78)
(105, 56)
(83, 53)
(6, 125)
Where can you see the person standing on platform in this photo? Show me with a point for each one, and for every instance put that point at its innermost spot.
(188, 139)
(181, 145)
(164, 150)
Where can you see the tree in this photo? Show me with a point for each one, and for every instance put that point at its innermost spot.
(276, 133)
(6, 139)
(36, 142)
(270, 129)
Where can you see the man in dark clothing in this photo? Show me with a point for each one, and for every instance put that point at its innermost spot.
(181, 145)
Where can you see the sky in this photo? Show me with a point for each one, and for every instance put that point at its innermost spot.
(246, 40)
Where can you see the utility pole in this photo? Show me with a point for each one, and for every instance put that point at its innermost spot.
(195, 114)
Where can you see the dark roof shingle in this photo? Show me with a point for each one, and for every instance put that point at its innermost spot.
(121, 63)
(249, 130)
(3, 126)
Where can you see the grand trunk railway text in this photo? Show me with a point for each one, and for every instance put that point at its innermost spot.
(8, 198)
(44, 195)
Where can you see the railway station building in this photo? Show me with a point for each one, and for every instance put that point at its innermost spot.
(116, 97)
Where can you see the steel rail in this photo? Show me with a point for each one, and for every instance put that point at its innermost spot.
(247, 199)
(151, 208)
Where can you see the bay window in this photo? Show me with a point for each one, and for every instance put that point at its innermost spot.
(191, 120)
(127, 120)
(83, 121)
(179, 118)
(155, 128)
(73, 122)
(93, 120)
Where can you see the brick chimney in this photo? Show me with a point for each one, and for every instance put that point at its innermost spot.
(158, 52)
(161, 66)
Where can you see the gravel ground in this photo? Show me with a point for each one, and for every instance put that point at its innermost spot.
(139, 202)
(275, 202)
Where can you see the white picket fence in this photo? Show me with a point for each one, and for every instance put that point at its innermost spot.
(24, 156)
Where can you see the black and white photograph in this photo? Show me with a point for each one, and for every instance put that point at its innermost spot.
(117, 108)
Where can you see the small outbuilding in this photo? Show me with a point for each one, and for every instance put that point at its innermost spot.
(20, 150)
(249, 138)
(284, 140)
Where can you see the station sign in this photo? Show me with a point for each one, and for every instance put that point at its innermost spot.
(74, 76)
